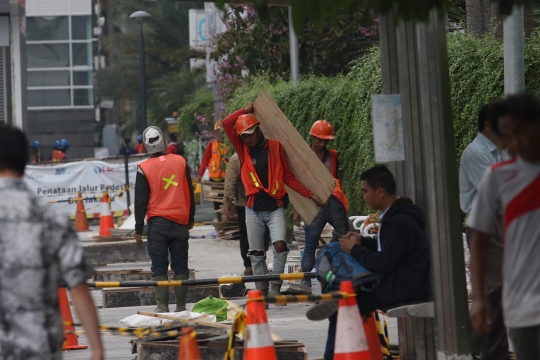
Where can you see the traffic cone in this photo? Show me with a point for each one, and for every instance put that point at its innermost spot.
(81, 222)
(351, 342)
(258, 342)
(373, 338)
(106, 220)
(189, 350)
(70, 340)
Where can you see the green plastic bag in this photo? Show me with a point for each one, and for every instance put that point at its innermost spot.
(210, 306)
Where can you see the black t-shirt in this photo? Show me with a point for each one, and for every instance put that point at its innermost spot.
(262, 201)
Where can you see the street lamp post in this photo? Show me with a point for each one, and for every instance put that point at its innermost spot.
(141, 15)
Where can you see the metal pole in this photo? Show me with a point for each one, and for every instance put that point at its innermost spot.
(126, 155)
(142, 73)
(514, 64)
(295, 54)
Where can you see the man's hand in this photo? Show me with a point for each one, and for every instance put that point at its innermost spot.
(317, 200)
(296, 218)
(227, 210)
(348, 241)
(138, 239)
(480, 315)
(249, 108)
(190, 225)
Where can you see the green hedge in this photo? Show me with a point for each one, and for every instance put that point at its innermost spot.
(476, 74)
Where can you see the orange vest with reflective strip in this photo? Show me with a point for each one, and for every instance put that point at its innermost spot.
(218, 162)
(57, 155)
(338, 192)
(250, 179)
(169, 190)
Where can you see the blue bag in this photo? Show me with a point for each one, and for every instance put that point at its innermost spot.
(335, 266)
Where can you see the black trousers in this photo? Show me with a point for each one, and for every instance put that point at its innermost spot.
(244, 243)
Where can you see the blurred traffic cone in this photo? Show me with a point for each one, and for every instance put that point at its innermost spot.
(351, 342)
(189, 350)
(373, 338)
(258, 340)
(81, 222)
(106, 222)
(70, 340)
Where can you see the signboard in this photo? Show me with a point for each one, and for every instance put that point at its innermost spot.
(197, 29)
(214, 26)
(387, 128)
(58, 183)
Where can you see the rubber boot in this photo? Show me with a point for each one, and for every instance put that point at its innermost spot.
(162, 295)
(181, 293)
(275, 290)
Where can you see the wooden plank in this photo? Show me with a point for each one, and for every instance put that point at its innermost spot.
(303, 161)
(196, 321)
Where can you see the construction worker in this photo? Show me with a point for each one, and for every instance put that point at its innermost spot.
(126, 147)
(139, 149)
(35, 151)
(58, 154)
(164, 194)
(265, 171)
(215, 159)
(171, 148)
(337, 206)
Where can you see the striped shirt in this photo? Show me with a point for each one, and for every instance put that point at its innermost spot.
(478, 156)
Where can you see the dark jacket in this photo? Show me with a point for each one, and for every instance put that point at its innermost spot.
(404, 259)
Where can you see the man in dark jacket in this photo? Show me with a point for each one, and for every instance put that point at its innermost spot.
(400, 253)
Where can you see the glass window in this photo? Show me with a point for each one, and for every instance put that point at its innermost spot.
(80, 28)
(48, 78)
(47, 55)
(47, 28)
(81, 54)
(83, 97)
(49, 97)
(81, 78)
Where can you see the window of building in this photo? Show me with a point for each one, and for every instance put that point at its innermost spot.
(59, 61)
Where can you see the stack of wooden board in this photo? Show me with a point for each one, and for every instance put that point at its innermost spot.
(227, 228)
(216, 192)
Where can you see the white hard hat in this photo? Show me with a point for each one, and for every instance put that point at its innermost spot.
(153, 140)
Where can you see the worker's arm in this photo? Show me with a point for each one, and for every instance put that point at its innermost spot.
(86, 311)
(480, 314)
(231, 181)
(191, 198)
(205, 160)
(228, 127)
(142, 195)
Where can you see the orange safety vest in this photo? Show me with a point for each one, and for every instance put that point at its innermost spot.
(57, 155)
(338, 192)
(169, 190)
(250, 179)
(139, 149)
(218, 162)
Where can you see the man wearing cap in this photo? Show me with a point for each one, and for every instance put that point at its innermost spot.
(58, 154)
(337, 206)
(35, 151)
(164, 194)
(215, 159)
(139, 148)
(265, 171)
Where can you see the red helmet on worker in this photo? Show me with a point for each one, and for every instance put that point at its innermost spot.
(246, 124)
(322, 129)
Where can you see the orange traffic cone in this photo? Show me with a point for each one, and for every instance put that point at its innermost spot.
(351, 342)
(372, 336)
(106, 220)
(258, 341)
(189, 350)
(81, 222)
(70, 340)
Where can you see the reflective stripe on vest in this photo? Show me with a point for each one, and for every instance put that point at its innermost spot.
(169, 189)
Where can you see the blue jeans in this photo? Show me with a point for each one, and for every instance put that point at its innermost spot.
(256, 223)
(166, 236)
(333, 213)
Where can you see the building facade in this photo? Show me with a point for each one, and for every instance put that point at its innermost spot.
(59, 75)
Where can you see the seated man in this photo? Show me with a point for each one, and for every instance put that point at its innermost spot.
(400, 253)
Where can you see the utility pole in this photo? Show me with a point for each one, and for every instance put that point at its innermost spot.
(295, 55)
(141, 15)
(514, 63)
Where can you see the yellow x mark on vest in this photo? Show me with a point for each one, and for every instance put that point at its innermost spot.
(169, 181)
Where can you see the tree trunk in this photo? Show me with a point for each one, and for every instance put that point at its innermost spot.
(483, 17)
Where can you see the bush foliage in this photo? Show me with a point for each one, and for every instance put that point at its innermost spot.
(476, 75)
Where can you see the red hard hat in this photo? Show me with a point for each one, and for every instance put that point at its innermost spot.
(322, 129)
(245, 122)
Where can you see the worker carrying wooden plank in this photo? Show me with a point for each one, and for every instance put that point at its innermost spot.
(265, 171)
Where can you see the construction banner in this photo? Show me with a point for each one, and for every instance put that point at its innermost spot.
(59, 185)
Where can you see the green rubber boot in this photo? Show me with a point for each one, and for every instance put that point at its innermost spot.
(275, 290)
(181, 293)
(162, 295)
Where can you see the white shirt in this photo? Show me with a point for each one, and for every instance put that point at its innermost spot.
(513, 187)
